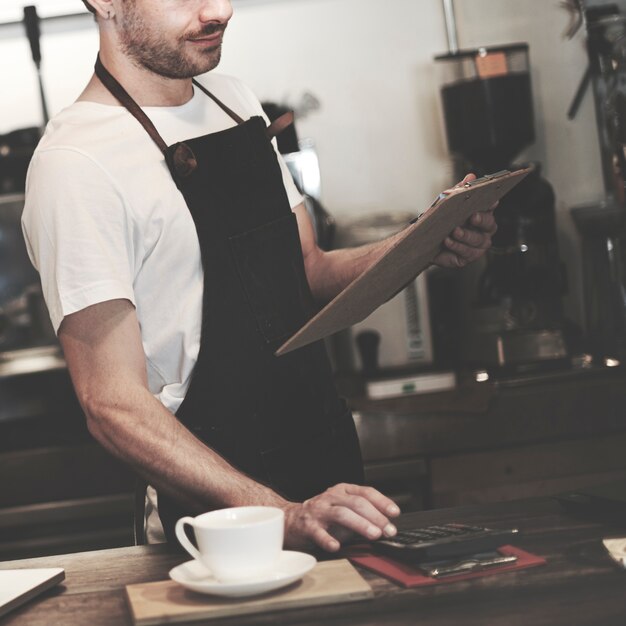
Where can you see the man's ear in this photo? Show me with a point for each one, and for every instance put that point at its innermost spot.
(104, 9)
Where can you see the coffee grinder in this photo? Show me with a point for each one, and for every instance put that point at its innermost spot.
(516, 320)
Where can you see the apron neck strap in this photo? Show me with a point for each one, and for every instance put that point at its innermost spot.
(219, 103)
(116, 89)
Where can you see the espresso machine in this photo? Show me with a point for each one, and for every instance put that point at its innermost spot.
(515, 321)
(602, 226)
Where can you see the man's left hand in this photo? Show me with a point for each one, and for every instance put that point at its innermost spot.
(470, 242)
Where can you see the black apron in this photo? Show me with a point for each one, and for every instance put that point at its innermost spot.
(277, 419)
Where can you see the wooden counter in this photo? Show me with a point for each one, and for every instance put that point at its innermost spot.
(579, 585)
(512, 439)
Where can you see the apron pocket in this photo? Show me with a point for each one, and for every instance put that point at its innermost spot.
(271, 269)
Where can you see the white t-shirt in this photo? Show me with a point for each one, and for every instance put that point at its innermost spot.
(103, 220)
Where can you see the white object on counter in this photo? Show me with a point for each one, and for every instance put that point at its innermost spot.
(20, 585)
(291, 566)
(617, 550)
(420, 383)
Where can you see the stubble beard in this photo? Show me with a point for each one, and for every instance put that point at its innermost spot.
(148, 50)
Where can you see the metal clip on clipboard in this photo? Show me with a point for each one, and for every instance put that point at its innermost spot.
(487, 178)
(472, 183)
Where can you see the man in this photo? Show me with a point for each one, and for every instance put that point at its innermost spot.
(176, 255)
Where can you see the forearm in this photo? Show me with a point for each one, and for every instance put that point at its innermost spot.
(142, 432)
(329, 273)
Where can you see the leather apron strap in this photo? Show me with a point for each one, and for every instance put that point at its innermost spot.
(118, 91)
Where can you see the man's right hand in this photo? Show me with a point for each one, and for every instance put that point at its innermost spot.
(336, 515)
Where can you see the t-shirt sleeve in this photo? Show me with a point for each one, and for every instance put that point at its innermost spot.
(295, 197)
(78, 232)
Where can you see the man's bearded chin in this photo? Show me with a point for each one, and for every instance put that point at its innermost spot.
(149, 52)
(172, 63)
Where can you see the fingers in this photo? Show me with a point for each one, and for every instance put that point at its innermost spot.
(450, 260)
(464, 254)
(468, 243)
(468, 178)
(366, 511)
(484, 221)
(340, 509)
(360, 509)
(382, 502)
(303, 529)
(347, 517)
(457, 254)
(470, 238)
(324, 539)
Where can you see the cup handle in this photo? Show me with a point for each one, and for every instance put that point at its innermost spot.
(182, 537)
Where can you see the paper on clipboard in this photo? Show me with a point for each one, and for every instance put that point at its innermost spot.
(411, 254)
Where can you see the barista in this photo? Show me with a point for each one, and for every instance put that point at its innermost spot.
(175, 256)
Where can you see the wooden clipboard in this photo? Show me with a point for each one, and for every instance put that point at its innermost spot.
(411, 254)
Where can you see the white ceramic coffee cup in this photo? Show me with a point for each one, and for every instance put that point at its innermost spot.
(236, 543)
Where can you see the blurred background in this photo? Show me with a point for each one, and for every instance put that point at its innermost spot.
(500, 381)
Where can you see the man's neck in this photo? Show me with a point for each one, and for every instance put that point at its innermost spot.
(144, 86)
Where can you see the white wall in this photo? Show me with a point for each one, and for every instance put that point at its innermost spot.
(68, 50)
(379, 132)
(369, 63)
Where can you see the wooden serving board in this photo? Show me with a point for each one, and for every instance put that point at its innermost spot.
(166, 602)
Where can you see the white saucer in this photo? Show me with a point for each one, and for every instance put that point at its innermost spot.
(291, 566)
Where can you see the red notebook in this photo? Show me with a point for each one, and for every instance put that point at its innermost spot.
(409, 576)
